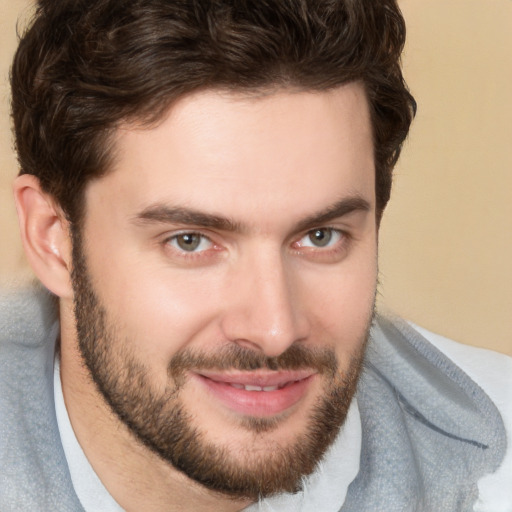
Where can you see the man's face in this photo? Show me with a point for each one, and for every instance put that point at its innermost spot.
(224, 281)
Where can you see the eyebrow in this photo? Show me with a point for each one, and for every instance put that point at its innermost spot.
(335, 211)
(179, 215)
(163, 214)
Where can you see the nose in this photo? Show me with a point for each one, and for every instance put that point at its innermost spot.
(264, 310)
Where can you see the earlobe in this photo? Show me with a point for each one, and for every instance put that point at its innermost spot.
(45, 235)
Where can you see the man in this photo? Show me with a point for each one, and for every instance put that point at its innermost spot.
(201, 188)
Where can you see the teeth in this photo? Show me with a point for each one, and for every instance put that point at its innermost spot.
(249, 387)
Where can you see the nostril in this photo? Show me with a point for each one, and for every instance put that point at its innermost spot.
(250, 345)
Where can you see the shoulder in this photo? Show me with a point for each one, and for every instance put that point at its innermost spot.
(492, 371)
(27, 313)
(34, 468)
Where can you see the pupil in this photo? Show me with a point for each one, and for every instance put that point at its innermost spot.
(321, 237)
(189, 242)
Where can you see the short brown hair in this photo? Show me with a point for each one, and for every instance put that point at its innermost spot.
(84, 66)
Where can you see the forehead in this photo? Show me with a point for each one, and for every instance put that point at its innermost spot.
(240, 155)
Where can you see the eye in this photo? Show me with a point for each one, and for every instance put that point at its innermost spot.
(190, 242)
(321, 237)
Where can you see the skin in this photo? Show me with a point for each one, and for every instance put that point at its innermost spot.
(270, 165)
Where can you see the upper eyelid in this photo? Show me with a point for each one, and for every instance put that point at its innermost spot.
(344, 239)
(210, 236)
(170, 243)
(170, 238)
(344, 232)
(341, 231)
(181, 232)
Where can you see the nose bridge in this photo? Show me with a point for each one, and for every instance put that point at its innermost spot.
(265, 312)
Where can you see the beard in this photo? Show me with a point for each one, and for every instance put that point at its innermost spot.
(159, 418)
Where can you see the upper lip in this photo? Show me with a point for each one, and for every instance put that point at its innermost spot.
(261, 378)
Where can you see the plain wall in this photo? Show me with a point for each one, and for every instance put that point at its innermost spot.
(446, 238)
(446, 241)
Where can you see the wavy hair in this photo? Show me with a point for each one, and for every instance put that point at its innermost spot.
(85, 66)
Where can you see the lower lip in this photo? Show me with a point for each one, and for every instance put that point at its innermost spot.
(257, 403)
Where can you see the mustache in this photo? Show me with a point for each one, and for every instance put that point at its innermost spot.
(235, 357)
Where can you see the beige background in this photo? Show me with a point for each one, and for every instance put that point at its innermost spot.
(446, 243)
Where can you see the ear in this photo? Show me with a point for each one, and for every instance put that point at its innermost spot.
(45, 235)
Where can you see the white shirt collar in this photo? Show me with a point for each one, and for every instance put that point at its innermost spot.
(88, 487)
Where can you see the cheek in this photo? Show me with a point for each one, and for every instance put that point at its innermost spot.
(341, 303)
(156, 310)
(169, 315)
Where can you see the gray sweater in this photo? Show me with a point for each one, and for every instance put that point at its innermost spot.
(429, 432)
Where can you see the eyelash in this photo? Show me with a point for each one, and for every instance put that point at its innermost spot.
(189, 255)
(339, 245)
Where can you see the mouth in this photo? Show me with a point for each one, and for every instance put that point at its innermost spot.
(257, 394)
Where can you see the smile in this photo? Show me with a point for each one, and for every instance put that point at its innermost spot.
(259, 394)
